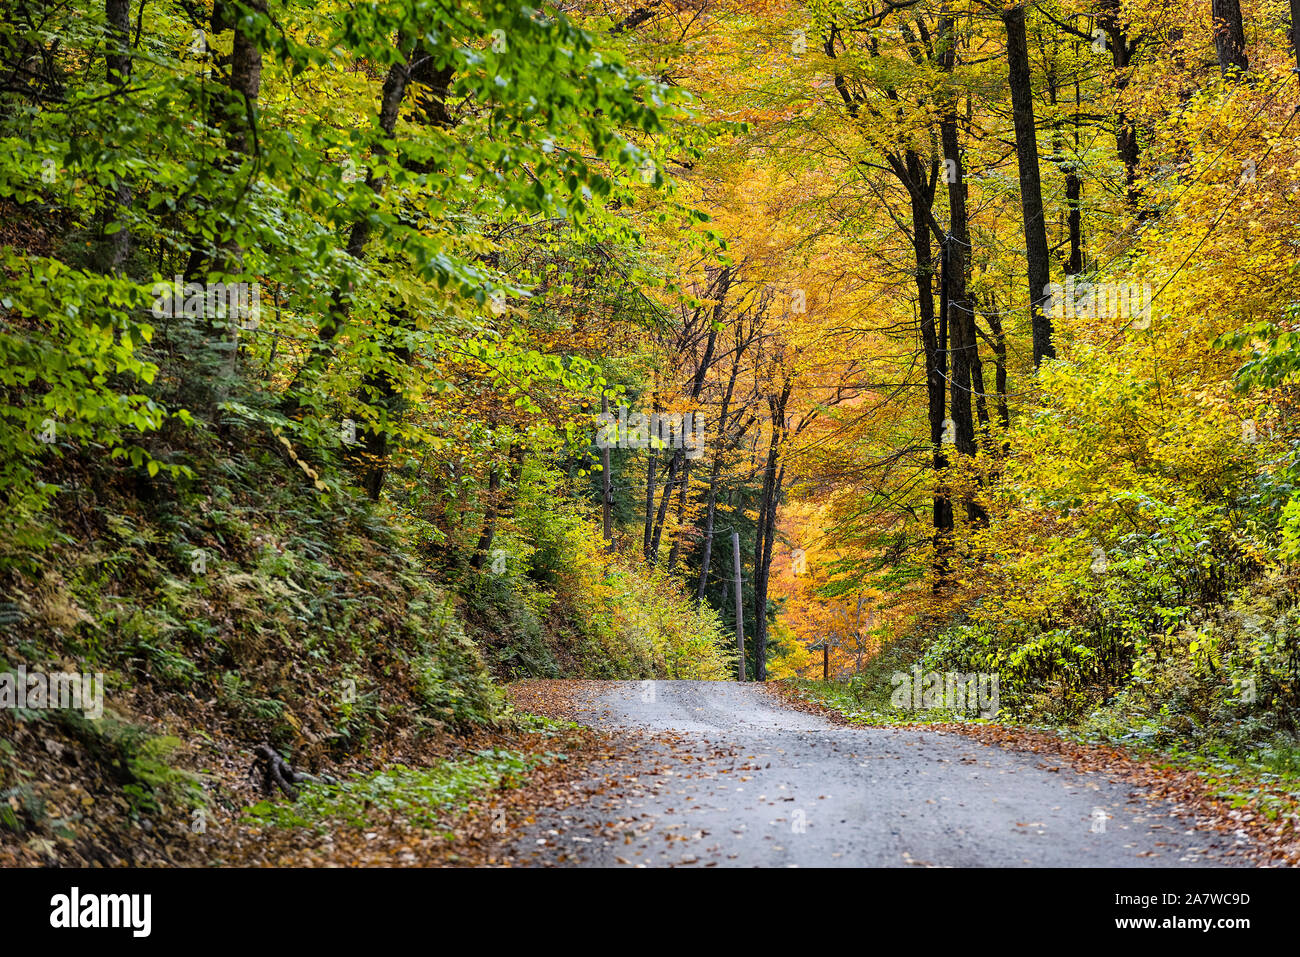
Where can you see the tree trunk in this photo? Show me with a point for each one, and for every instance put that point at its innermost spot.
(496, 501)
(1121, 51)
(683, 487)
(395, 85)
(677, 478)
(765, 533)
(1031, 189)
(384, 388)
(383, 392)
(716, 470)
(961, 316)
(998, 344)
(1073, 183)
(239, 119)
(489, 520)
(934, 344)
(1295, 31)
(118, 63)
(1074, 219)
(661, 515)
(651, 477)
(1229, 38)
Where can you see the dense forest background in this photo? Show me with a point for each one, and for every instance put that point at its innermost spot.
(356, 358)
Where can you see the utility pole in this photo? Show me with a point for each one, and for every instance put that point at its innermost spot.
(740, 606)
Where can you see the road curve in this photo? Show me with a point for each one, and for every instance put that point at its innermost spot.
(722, 774)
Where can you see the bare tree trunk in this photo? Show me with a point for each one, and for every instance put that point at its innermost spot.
(740, 607)
(1073, 183)
(382, 391)
(1031, 188)
(245, 79)
(240, 122)
(1074, 220)
(966, 367)
(765, 533)
(661, 515)
(1229, 38)
(680, 469)
(998, 344)
(683, 488)
(384, 388)
(651, 476)
(977, 382)
(489, 519)
(1121, 51)
(1074, 194)
(961, 316)
(934, 343)
(716, 469)
(1295, 31)
(118, 63)
(910, 171)
(496, 502)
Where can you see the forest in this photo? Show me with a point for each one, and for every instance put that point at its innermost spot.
(361, 362)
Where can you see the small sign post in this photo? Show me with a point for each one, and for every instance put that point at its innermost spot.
(825, 646)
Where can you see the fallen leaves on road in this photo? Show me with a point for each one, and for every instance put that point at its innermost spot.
(1266, 839)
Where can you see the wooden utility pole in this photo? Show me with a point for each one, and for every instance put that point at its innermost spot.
(740, 608)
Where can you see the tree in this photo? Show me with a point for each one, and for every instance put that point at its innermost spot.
(1031, 188)
(1229, 38)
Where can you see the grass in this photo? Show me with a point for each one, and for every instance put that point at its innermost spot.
(421, 796)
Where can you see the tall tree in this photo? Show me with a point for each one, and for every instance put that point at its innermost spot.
(1037, 258)
(118, 62)
(1229, 37)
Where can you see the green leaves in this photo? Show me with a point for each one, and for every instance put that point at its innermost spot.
(421, 796)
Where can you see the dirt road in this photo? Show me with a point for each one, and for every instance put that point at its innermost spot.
(718, 774)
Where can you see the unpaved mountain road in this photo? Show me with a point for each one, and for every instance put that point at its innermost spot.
(721, 774)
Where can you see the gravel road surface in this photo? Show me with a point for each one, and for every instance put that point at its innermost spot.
(722, 774)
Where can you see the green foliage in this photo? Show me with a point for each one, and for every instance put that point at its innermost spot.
(21, 809)
(549, 126)
(865, 699)
(1130, 580)
(420, 796)
(287, 585)
(141, 761)
(630, 620)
